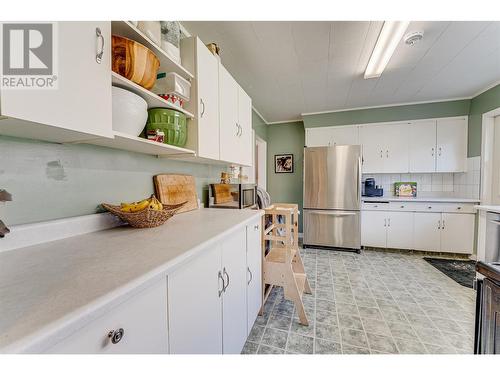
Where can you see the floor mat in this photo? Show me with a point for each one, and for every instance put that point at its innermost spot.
(462, 271)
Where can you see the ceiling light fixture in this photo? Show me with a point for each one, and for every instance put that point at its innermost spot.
(388, 40)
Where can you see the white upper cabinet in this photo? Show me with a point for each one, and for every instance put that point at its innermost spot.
(80, 107)
(203, 130)
(235, 121)
(396, 153)
(229, 130)
(423, 146)
(373, 145)
(333, 135)
(246, 139)
(451, 145)
(385, 148)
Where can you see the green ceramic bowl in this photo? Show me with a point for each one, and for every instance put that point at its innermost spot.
(169, 121)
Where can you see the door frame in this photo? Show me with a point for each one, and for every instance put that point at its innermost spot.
(487, 155)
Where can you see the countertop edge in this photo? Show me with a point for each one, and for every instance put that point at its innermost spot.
(49, 334)
(485, 207)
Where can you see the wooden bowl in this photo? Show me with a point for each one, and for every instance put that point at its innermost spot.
(134, 61)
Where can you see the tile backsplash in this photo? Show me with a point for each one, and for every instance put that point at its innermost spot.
(463, 185)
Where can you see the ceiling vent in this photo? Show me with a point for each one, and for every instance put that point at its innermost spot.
(413, 38)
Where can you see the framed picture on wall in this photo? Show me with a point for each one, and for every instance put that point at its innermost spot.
(283, 163)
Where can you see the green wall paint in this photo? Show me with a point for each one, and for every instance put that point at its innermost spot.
(383, 114)
(286, 138)
(259, 126)
(485, 102)
(51, 181)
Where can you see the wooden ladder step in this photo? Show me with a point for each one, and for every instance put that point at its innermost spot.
(278, 254)
(300, 278)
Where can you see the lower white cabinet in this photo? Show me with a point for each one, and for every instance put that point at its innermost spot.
(211, 298)
(387, 229)
(234, 297)
(136, 326)
(194, 305)
(254, 265)
(427, 231)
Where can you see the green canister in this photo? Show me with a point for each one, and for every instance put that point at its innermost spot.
(170, 122)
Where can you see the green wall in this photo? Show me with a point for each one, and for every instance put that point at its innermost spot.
(485, 102)
(286, 138)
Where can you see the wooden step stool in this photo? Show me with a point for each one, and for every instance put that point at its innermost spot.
(282, 263)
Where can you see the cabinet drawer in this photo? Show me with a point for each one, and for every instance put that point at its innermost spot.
(375, 206)
(466, 208)
(143, 319)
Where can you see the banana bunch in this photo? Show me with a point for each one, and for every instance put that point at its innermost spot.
(151, 203)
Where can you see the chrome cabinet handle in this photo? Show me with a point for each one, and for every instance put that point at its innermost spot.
(256, 227)
(241, 130)
(100, 54)
(381, 153)
(223, 283)
(116, 335)
(389, 222)
(237, 129)
(251, 276)
(439, 152)
(202, 103)
(433, 151)
(387, 154)
(385, 222)
(227, 275)
(439, 224)
(442, 224)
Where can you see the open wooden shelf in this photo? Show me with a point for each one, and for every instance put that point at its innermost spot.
(167, 63)
(153, 100)
(122, 141)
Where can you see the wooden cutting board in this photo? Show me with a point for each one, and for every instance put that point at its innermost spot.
(176, 188)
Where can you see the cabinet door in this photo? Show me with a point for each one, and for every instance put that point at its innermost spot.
(229, 130)
(317, 137)
(245, 137)
(396, 151)
(195, 307)
(457, 233)
(373, 146)
(451, 145)
(82, 100)
(207, 68)
(254, 264)
(423, 146)
(234, 300)
(427, 233)
(400, 230)
(142, 320)
(374, 228)
(344, 135)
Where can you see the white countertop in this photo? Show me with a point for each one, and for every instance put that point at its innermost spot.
(65, 283)
(420, 199)
(488, 208)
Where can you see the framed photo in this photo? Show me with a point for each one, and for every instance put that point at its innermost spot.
(283, 163)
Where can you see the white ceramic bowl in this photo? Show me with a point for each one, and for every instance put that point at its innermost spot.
(130, 112)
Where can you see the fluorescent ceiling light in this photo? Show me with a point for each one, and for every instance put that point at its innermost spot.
(388, 40)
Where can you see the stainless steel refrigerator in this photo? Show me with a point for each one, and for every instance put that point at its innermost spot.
(332, 196)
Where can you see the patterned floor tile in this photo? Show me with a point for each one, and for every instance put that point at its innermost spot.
(374, 302)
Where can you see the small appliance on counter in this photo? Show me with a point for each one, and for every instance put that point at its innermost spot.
(405, 189)
(370, 189)
(232, 196)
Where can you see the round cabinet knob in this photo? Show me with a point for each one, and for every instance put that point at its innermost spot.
(116, 335)
(429, 207)
(402, 207)
(459, 208)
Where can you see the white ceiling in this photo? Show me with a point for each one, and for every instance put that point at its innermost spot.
(289, 68)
